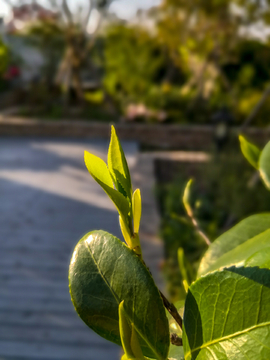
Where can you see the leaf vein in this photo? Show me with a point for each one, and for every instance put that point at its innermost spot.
(206, 345)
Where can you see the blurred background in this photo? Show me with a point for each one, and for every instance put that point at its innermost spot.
(180, 80)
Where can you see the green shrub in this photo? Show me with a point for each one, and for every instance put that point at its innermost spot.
(226, 310)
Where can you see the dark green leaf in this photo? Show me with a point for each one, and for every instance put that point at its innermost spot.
(250, 152)
(264, 165)
(227, 316)
(104, 272)
(260, 258)
(118, 166)
(240, 233)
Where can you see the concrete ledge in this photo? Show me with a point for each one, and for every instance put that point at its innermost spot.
(162, 135)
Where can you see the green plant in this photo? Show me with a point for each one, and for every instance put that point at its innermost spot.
(227, 307)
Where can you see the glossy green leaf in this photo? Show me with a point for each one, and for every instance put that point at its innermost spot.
(264, 165)
(260, 258)
(104, 272)
(99, 171)
(129, 336)
(240, 233)
(118, 166)
(137, 210)
(227, 316)
(239, 254)
(250, 152)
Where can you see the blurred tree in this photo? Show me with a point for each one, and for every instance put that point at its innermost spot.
(205, 39)
(200, 36)
(74, 32)
(134, 63)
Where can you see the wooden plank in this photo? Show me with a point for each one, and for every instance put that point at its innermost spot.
(35, 293)
(68, 320)
(28, 304)
(38, 283)
(55, 275)
(35, 351)
(84, 336)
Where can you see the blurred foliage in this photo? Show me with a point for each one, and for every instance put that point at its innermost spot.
(134, 63)
(194, 62)
(49, 37)
(218, 201)
(184, 63)
(4, 58)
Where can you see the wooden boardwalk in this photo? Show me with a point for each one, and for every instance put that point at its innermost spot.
(47, 202)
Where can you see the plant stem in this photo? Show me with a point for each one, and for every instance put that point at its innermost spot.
(172, 310)
(198, 229)
(176, 340)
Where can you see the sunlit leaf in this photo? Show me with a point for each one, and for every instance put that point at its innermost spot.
(250, 152)
(240, 253)
(264, 165)
(232, 238)
(260, 258)
(186, 197)
(99, 171)
(118, 166)
(137, 210)
(182, 267)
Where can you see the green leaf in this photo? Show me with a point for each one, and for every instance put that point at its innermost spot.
(260, 258)
(239, 254)
(186, 198)
(227, 316)
(250, 152)
(264, 165)
(240, 233)
(137, 210)
(176, 353)
(104, 272)
(125, 232)
(99, 171)
(118, 166)
(128, 336)
(182, 267)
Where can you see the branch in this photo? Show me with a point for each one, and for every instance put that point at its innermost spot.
(176, 340)
(90, 8)
(256, 109)
(190, 213)
(67, 12)
(172, 310)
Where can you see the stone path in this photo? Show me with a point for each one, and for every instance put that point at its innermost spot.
(47, 202)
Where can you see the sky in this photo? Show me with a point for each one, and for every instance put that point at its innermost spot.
(125, 9)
